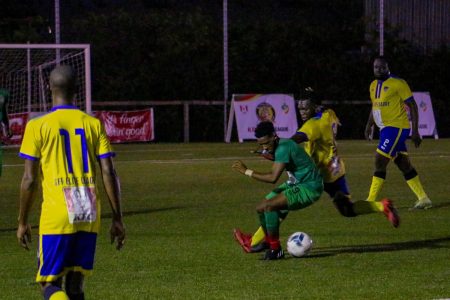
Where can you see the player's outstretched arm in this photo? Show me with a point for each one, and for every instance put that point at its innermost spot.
(28, 188)
(112, 187)
(271, 177)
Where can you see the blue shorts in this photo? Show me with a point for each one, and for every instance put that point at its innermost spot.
(339, 184)
(61, 253)
(392, 141)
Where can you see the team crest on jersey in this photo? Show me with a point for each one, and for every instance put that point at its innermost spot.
(243, 108)
(385, 88)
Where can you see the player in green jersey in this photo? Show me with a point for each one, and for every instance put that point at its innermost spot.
(303, 188)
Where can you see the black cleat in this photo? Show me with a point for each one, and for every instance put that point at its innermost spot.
(273, 254)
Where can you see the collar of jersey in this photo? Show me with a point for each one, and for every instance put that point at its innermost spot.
(318, 115)
(63, 107)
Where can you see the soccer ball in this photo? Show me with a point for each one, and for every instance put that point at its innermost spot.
(299, 244)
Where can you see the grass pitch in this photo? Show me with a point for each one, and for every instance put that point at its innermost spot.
(181, 202)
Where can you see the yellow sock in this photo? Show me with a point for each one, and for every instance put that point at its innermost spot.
(375, 188)
(60, 295)
(258, 236)
(367, 207)
(416, 187)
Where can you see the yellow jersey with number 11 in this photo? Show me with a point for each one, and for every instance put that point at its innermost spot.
(67, 142)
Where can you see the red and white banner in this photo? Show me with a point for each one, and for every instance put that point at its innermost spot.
(17, 123)
(251, 109)
(129, 126)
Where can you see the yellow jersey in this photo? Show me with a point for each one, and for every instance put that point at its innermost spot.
(388, 102)
(67, 142)
(321, 132)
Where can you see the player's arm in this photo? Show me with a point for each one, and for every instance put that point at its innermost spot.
(414, 113)
(368, 133)
(299, 137)
(28, 188)
(112, 187)
(269, 177)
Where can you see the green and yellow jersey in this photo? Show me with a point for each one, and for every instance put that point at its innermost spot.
(321, 144)
(67, 142)
(388, 102)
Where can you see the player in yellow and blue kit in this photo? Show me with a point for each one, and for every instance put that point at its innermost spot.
(63, 147)
(318, 133)
(389, 95)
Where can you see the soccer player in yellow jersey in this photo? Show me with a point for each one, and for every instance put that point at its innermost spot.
(389, 96)
(318, 133)
(61, 148)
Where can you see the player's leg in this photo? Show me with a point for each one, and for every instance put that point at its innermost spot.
(257, 241)
(412, 179)
(338, 191)
(389, 138)
(268, 211)
(52, 255)
(74, 285)
(53, 291)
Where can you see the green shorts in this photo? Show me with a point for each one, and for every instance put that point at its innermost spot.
(299, 195)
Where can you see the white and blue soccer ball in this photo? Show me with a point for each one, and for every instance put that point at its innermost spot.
(299, 244)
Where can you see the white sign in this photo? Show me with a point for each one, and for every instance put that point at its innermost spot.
(427, 123)
(251, 109)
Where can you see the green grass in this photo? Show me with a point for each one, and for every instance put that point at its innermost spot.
(181, 202)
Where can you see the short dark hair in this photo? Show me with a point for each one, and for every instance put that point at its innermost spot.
(381, 57)
(264, 128)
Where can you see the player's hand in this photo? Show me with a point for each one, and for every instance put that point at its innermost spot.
(368, 133)
(239, 166)
(415, 137)
(24, 235)
(117, 233)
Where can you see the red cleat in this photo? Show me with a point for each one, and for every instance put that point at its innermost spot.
(390, 212)
(245, 240)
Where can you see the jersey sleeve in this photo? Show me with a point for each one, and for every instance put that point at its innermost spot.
(309, 130)
(104, 149)
(404, 91)
(31, 143)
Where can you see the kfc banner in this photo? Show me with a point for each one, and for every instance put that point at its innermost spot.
(128, 126)
(251, 109)
(427, 123)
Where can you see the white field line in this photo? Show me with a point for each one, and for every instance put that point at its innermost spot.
(433, 155)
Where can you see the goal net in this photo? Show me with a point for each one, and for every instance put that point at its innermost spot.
(25, 70)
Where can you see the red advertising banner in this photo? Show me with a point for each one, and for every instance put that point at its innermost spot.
(17, 123)
(128, 126)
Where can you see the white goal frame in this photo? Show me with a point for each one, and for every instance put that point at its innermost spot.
(87, 66)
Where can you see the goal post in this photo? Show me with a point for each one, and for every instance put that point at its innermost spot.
(25, 71)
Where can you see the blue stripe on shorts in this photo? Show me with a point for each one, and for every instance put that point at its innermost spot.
(392, 141)
(67, 251)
